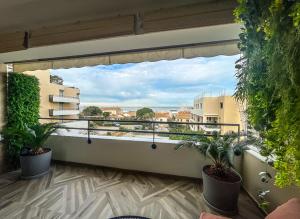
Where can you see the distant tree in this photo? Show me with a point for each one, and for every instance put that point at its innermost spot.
(106, 115)
(56, 79)
(92, 111)
(145, 113)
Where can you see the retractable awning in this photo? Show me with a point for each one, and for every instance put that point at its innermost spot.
(146, 31)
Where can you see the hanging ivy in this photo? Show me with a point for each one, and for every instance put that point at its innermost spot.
(269, 79)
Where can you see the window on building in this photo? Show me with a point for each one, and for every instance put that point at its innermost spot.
(221, 105)
(61, 106)
(61, 93)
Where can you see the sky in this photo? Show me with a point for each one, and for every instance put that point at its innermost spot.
(161, 83)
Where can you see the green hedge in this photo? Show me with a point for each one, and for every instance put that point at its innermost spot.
(23, 103)
(23, 100)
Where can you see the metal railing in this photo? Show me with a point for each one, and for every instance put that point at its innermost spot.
(151, 124)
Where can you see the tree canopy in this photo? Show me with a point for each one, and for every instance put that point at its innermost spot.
(106, 114)
(92, 111)
(145, 113)
(56, 79)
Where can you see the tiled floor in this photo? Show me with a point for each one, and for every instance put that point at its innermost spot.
(70, 191)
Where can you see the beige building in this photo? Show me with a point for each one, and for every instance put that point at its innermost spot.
(183, 116)
(221, 109)
(56, 99)
(113, 111)
(129, 114)
(162, 116)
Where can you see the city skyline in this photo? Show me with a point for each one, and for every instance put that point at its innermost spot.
(149, 84)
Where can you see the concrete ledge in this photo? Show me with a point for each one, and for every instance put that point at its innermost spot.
(128, 154)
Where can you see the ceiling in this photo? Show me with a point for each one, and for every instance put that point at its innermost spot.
(69, 30)
(21, 15)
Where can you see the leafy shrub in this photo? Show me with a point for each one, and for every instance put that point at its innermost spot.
(269, 79)
(219, 149)
(23, 100)
(23, 103)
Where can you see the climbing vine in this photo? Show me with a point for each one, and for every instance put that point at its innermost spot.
(269, 79)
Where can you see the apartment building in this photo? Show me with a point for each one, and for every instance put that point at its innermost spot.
(113, 111)
(221, 109)
(183, 116)
(162, 116)
(56, 99)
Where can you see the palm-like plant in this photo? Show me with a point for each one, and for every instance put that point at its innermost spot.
(32, 137)
(36, 135)
(219, 149)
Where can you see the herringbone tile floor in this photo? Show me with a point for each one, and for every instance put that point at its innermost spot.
(92, 192)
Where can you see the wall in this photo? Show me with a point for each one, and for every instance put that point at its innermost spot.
(230, 114)
(128, 154)
(2, 110)
(211, 107)
(252, 165)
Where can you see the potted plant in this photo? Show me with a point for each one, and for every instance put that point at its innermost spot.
(34, 158)
(221, 183)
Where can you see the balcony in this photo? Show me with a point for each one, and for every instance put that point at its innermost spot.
(72, 191)
(110, 176)
(54, 112)
(198, 112)
(63, 99)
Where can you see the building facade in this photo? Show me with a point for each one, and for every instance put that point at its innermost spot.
(221, 109)
(56, 99)
(114, 112)
(183, 116)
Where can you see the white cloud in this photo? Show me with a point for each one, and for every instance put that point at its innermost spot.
(162, 83)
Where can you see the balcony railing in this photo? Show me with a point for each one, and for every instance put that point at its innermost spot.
(63, 99)
(152, 127)
(54, 112)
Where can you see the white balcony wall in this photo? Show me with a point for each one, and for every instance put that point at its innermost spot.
(253, 164)
(63, 112)
(128, 153)
(59, 99)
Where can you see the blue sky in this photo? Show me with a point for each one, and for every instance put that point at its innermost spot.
(162, 83)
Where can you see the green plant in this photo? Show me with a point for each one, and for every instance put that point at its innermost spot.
(269, 79)
(145, 113)
(36, 135)
(106, 115)
(219, 149)
(182, 129)
(92, 111)
(14, 141)
(23, 100)
(32, 137)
